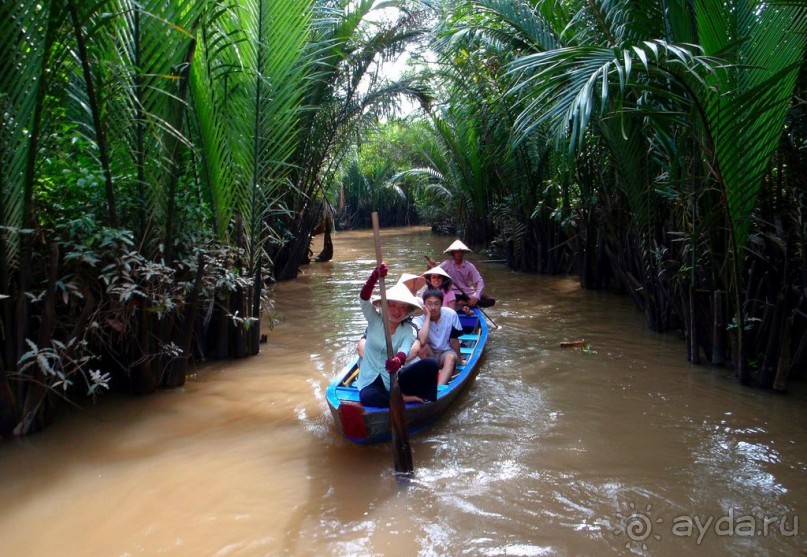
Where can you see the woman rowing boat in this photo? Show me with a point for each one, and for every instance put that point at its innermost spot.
(418, 380)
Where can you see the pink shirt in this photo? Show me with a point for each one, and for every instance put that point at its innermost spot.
(464, 278)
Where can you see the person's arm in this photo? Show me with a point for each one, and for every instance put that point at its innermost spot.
(450, 299)
(478, 285)
(423, 333)
(369, 285)
(414, 352)
(454, 338)
(366, 305)
(405, 344)
(455, 345)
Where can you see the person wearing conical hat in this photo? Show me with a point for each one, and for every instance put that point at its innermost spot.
(437, 278)
(413, 283)
(466, 282)
(418, 380)
(457, 245)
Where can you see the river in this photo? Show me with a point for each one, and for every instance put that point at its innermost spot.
(622, 448)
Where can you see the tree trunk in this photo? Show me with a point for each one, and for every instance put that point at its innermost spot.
(37, 406)
(95, 110)
(255, 327)
(694, 349)
(767, 374)
(718, 332)
(175, 377)
(8, 407)
(239, 336)
(783, 369)
(141, 378)
(327, 247)
(221, 328)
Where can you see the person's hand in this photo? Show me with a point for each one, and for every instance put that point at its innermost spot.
(396, 362)
(472, 301)
(412, 398)
(367, 289)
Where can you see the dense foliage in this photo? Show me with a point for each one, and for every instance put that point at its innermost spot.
(653, 146)
(160, 163)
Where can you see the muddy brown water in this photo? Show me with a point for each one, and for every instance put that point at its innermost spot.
(622, 448)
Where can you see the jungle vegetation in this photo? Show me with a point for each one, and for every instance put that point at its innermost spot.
(163, 162)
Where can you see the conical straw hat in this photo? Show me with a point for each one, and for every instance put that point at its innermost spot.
(400, 293)
(457, 246)
(413, 282)
(437, 271)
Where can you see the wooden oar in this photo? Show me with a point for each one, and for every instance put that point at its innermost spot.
(401, 451)
(492, 322)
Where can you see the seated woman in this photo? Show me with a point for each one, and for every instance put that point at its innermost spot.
(413, 283)
(418, 380)
(439, 279)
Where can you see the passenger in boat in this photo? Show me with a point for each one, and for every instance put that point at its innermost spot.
(414, 283)
(466, 282)
(439, 279)
(418, 380)
(445, 328)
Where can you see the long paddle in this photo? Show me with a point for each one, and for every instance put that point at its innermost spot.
(492, 322)
(401, 451)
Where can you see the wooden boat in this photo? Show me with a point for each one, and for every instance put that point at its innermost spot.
(366, 424)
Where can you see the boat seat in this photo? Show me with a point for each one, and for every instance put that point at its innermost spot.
(343, 393)
(466, 350)
(464, 338)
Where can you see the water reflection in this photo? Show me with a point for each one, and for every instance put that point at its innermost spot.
(549, 452)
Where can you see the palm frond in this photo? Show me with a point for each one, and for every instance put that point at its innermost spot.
(27, 41)
(267, 97)
(746, 109)
(568, 86)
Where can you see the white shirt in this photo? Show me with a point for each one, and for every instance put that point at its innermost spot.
(440, 330)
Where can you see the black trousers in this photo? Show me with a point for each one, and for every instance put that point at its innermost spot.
(484, 302)
(416, 379)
